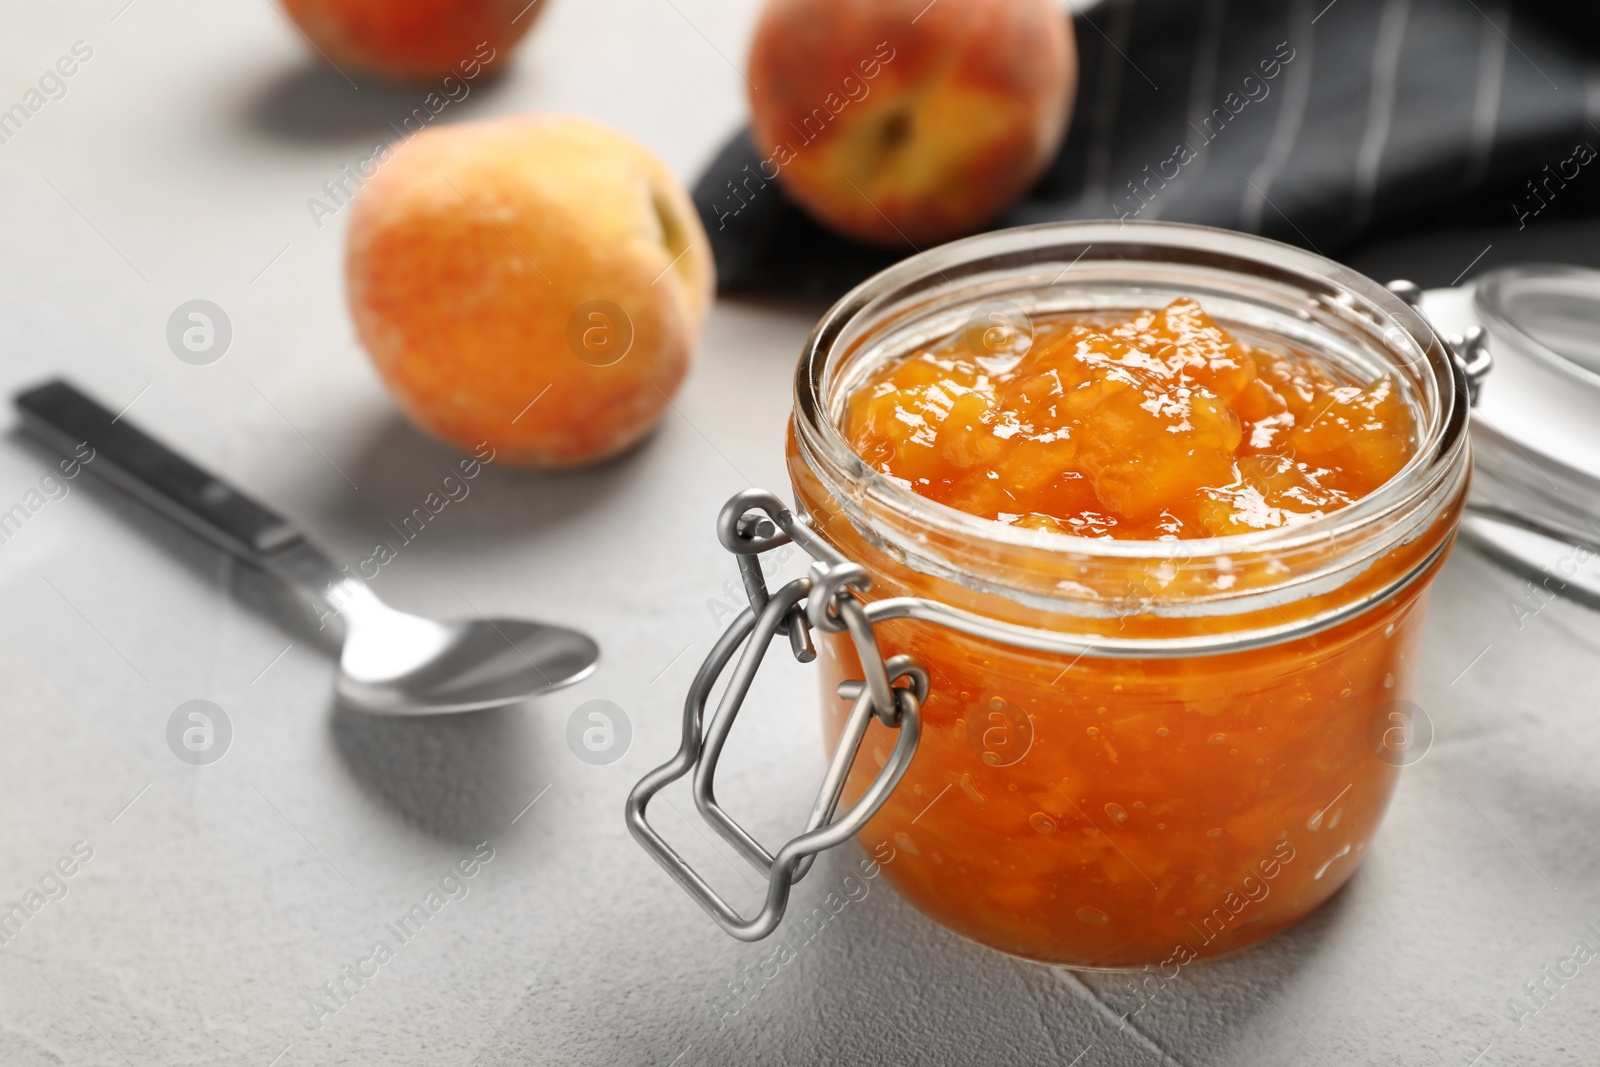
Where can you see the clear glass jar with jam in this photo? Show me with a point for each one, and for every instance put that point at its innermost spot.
(1149, 727)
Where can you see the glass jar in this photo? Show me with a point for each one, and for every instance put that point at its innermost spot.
(1213, 761)
(1109, 753)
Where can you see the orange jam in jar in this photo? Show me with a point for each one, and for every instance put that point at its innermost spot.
(1160, 426)
(1185, 498)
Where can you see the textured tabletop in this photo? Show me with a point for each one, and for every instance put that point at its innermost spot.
(208, 909)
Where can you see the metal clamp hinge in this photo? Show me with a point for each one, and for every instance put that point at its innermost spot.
(751, 523)
(1468, 351)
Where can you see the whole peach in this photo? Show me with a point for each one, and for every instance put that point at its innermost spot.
(896, 121)
(534, 282)
(413, 40)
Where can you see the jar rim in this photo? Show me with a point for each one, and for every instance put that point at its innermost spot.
(1268, 291)
(926, 277)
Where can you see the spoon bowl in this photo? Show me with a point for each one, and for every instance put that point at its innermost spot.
(409, 665)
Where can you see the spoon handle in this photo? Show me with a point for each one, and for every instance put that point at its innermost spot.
(66, 419)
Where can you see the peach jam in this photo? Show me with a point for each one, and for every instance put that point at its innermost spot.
(1184, 491)
(1160, 426)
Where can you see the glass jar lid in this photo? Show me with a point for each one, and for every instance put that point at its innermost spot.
(1535, 500)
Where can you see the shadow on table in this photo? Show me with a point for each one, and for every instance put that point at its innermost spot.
(461, 778)
(1242, 985)
(315, 104)
(895, 987)
(400, 467)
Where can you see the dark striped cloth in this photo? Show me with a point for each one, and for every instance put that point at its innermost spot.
(1320, 124)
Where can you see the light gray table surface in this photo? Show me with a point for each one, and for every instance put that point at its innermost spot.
(218, 899)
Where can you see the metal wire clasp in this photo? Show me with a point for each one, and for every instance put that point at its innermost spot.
(1469, 351)
(751, 523)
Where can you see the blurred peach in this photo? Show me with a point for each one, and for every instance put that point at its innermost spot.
(413, 40)
(896, 121)
(534, 282)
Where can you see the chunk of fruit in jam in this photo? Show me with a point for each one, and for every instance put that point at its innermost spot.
(1161, 426)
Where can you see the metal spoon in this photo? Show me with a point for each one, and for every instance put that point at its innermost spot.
(392, 663)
